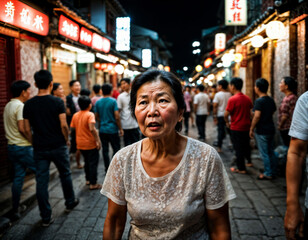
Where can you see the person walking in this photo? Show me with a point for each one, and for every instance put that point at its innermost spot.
(288, 86)
(262, 121)
(219, 106)
(107, 114)
(97, 89)
(239, 107)
(87, 140)
(20, 151)
(72, 108)
(128, 123)
(295, 220)
(188, 103)
(45, 116)
(202, 107)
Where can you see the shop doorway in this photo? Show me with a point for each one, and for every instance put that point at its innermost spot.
(256, 73)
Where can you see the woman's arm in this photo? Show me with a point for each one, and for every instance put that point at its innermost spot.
(115, 221)
(218, 223)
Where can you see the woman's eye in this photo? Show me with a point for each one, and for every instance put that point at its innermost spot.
(163, 100)
(142, 103)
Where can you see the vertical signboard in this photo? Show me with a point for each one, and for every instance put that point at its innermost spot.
(123, 34)
(235, 12)
(25, 17)
(146, 58)
(220, 42)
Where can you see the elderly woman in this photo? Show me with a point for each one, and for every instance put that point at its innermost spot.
(172, 186)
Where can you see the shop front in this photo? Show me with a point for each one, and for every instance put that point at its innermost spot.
(21, 29)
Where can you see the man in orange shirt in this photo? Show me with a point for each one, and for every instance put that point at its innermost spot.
(87, 140)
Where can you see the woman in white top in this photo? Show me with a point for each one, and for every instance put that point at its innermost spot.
(173, 187)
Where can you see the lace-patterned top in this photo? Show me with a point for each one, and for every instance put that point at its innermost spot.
(172, 206)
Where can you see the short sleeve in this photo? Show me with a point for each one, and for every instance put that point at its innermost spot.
(19, 112)
(216, 99)
(25, 112)
(61, 107)
(91, 118)
(299, 125)
(119, 102)
(115, 106)
(73, 125)
(229, 107)
(258, 105)
(218, 190)
(113, 187)
(196, 99)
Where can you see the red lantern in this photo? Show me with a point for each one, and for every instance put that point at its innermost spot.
(208, 62)
(104, 66)
(97, 65)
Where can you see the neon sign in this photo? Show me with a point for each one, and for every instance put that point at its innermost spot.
(21, 15)
(68, 28)
(86, 37)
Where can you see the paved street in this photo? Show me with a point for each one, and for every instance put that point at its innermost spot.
(256, 213)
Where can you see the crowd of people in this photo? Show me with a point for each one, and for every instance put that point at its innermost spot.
(160, 173)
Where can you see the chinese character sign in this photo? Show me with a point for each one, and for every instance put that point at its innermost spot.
(236, 12)
(68, 28)
(220, 42)
(21, 15)
(123, 34)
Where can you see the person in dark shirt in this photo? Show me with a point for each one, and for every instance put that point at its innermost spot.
(262, 121)
(45, 115)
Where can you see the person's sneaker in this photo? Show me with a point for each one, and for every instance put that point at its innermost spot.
(72, 205)
(47, 223)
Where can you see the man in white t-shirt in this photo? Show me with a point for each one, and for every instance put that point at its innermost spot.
(219, 106)
(297, 155)
(20, 151)
(202, 104)
(128, 122)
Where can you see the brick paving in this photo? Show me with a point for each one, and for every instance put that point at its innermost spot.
(256, 213)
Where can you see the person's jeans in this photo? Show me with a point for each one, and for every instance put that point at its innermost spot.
(200, 122)
(114, 140)
(60, 158)
(131, 136)
(266, 150)
(21, 158)
(241, 145)
(91, 158)
(221, 127)
(186, 121)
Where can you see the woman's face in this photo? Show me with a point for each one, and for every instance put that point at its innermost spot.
(59, 92)
(156, 110)
(282, 86)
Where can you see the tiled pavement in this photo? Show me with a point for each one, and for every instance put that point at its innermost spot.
(256, 213)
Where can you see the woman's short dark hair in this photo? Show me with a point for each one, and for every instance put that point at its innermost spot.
(42, 78)
(84, 102)
(96, 88)
(55, 87)
(237, 83)
(262, 84)
(168, 78)
(224, 84)
(291, 83)
(18, 86)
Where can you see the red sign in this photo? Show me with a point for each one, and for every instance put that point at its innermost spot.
(242, 49)
(23, 16)
(86, 37)
(68, 28)
(100, 43)
(208, 62)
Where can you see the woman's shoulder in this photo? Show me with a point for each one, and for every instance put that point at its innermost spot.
(128, 151)
(197, 147)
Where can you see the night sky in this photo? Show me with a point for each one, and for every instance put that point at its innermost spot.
(176, 21)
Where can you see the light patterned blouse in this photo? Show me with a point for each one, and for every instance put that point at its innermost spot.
(172, 206)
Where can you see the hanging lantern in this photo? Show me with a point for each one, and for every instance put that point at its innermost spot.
(198, 68)
(275, 30)
(208, 62)
(97, 65)
(110, 67)
(167, 68)
(257, 41)
(103, 66)
(160, 67)
(119, 69)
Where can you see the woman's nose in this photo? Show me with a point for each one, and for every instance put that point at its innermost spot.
(152, 110)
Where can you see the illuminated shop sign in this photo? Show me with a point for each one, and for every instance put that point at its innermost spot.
(146, 58)
(21, 15)
(236, 12)
(123, 34)
(100, 43)
(86, 37)
(68, 28)
(220, 42)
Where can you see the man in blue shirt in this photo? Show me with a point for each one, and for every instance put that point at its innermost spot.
(108, 117)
